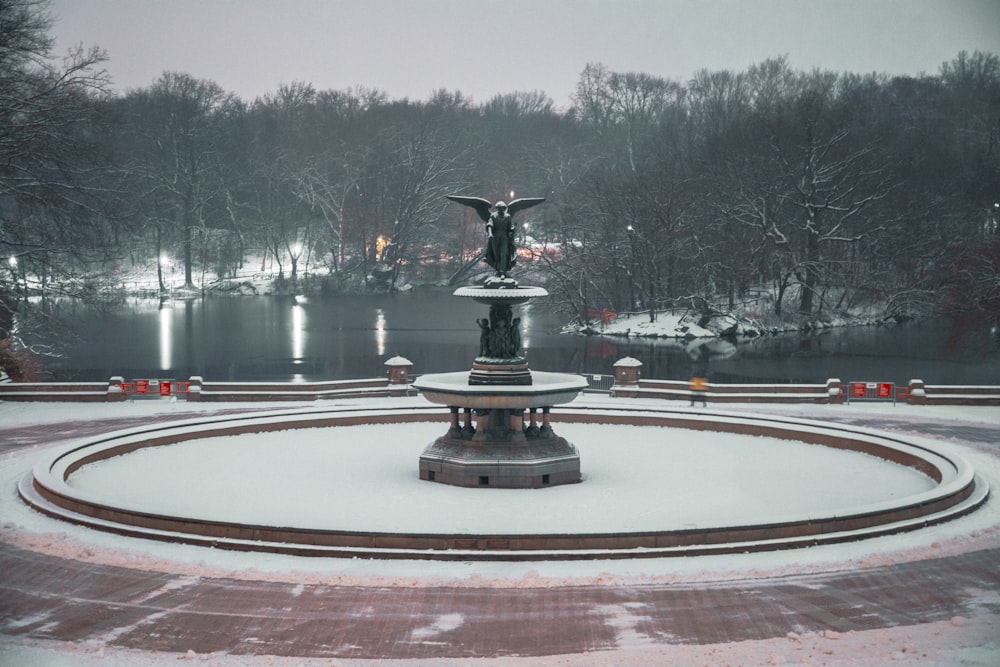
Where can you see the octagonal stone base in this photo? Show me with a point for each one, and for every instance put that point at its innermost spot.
(528, 464)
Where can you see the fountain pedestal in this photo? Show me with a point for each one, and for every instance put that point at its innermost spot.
(500, 435)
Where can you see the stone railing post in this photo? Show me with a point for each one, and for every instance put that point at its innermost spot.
(194, 387)
(834, 391)
(627, 374)
(115, 392)
(917, 394)
(397, 371)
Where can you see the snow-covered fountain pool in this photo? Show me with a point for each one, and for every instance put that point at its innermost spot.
(341, 482)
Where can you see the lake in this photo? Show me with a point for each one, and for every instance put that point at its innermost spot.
(344, 337)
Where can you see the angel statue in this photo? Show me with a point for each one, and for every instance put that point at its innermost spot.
(501, 253)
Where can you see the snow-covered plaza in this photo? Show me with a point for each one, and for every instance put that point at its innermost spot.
(73, 595)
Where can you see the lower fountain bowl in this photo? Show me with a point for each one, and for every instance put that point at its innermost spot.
(545, 390)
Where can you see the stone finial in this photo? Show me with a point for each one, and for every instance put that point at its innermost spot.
(195, 383)
(628, 371)
(834, 391)
(397, 371)
(115, 392)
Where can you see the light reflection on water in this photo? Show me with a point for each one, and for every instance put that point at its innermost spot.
(380, 335)
(298, 333)
(267, 338)
(165, 315)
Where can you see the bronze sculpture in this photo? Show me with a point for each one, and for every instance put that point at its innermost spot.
(507, 447)
(501, 251)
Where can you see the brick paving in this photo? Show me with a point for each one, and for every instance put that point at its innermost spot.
(44, 597)
(35, 434)
(47, 597)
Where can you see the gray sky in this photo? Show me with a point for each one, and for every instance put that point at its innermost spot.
(410, 48)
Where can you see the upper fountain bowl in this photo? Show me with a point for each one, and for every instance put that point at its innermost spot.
(508, 295)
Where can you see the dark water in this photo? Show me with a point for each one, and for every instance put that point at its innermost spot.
(276, 338)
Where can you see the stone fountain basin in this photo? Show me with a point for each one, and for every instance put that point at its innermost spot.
(546, 389)
(949, 488)
(510, 296)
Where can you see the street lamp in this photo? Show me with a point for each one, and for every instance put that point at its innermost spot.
(295, 251)
(164, 264)
(634, 270)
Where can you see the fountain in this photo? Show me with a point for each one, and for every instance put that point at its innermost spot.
(502, 449)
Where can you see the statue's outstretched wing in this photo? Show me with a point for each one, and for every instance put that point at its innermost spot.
(521, 204)
(481, 205)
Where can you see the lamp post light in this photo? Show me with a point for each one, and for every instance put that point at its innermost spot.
(632, 234)
(295, 250)
(164, 264)
(12, 262)
(648, 266)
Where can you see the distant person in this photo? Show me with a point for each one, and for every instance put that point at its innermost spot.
(699, 387)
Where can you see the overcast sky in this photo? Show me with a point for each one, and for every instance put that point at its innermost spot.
(410, 48)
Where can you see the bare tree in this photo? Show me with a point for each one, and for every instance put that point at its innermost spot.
(176, 124)
(809, 186)
(51, 170)
(626, 105)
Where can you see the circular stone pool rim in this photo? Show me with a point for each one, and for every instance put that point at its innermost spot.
(958, 491)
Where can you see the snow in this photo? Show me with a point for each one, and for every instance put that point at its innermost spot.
(364, 478)
(951, 642)
(667, 325)
(958, 641)
(14, 413)
(501, 294)
(691, 324)
(542, 382)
